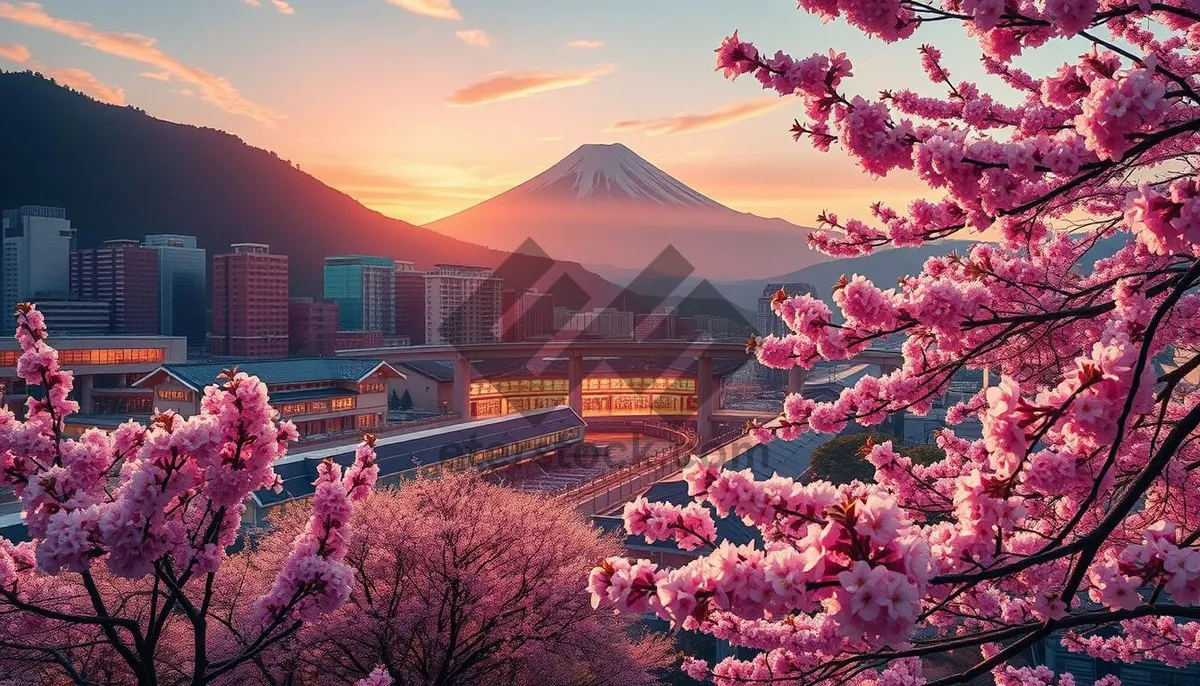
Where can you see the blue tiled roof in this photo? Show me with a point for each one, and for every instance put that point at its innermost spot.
(396, 454)
(439, 371)
(786, 458)
(276, 371)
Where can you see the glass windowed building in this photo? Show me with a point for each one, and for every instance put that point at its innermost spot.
(364, 288)
(182, 286)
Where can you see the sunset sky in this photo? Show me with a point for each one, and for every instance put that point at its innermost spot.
(421, 108)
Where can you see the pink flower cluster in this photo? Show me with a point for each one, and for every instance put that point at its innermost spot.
(162, 502)
(1116, 108)
(1166, 223)
(1080, 483)
(314, 580)
(848, 552)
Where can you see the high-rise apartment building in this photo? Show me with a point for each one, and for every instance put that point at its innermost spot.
(38, 241)
(312, 327)
(462, 305)
(604, 322)
(250, 302)
(410, 303)
(182, 286)
(364, 288)
(125, 275)
(527, 316)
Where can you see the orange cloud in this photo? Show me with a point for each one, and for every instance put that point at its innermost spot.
(476, 37)
(84, 82)
(586, 44)
(283, 7)
(216, 90)
(439, 9)
(156, 75)
(703, 121)
(509, 86)
(15, 53)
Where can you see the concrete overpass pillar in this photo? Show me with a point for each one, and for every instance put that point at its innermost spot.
(796, 378)
(575, 383)
(704, 399)
(84, 384)
(462, 387)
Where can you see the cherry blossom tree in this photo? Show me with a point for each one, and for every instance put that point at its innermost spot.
(130, 532)
(459, 581)
(1075, 517)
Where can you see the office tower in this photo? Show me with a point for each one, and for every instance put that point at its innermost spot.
(410, 303)
(312, 327)
(364, 288)
(182, 286)
(462, 305)
(38, 242)
(250, 302)
(125, 275)
(527, 316)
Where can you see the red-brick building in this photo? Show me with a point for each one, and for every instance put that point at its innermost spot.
(312, 327)
(250, 302)
(125, 275)
(358, 340)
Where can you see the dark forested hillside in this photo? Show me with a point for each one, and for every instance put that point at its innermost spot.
(122, 174)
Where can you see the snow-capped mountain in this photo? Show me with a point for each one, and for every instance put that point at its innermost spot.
(609, 208)
(613, 173)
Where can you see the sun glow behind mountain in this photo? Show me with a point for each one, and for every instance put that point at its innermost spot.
(607, 206)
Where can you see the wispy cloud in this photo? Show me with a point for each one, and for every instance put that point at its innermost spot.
(700, 121)
(586, 44)
(476, 37)
(15, 53)
(217, 90)
(439, 9)
(156, 75)
(510, 85)
(85, 82)
(283, 7)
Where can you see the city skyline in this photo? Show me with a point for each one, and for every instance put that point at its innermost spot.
(514, 89)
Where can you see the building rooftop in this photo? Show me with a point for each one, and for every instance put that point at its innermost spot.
(490, 370)
(197, 376)
(399, 453)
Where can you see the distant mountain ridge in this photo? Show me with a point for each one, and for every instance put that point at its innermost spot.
(606, 205)
(121, 173)
(883, 267)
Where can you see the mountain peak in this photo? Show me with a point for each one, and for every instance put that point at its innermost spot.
(614, 173)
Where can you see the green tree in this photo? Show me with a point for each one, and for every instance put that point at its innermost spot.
(394, 400)
(843, 459)
(406, 401)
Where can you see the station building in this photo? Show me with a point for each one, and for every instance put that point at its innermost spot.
(625, 387)
(484, 445)
(323, 396)
(105, 368)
